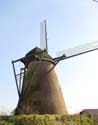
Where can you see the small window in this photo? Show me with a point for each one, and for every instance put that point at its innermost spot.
(36, 103)
(36, 88)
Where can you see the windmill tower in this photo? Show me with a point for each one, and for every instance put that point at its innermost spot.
(40, 91)
(38, 87)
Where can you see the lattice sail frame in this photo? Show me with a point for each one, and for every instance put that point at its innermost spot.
(79, 49)
(43, 36)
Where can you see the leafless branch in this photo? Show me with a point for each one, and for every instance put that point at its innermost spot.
(95, 0)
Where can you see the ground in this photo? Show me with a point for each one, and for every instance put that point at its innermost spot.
(46, 119)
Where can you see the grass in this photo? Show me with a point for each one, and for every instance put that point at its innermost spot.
(46, 119)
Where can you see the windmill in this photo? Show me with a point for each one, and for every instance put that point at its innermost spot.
(37, 83)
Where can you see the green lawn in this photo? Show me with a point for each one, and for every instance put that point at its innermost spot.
(47, 120)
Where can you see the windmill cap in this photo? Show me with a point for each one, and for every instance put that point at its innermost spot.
(35, 54)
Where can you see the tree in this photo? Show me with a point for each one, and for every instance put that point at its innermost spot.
(95, 0)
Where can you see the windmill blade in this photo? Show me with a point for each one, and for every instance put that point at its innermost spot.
(43, 36)
(76, 51)
(17, 86)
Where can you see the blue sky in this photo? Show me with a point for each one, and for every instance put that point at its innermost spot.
(69, 23)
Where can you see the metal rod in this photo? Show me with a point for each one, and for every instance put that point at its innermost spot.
(15, 79)
(19, 74)
(17, 60)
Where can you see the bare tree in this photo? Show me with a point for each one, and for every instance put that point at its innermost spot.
(95, 0)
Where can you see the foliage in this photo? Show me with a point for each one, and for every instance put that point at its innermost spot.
(46, 119)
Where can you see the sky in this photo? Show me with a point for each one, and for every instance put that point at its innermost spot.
(69, 24)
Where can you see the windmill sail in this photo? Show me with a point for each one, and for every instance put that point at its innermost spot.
(18, 78)
(43, 36)
(76, 51)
